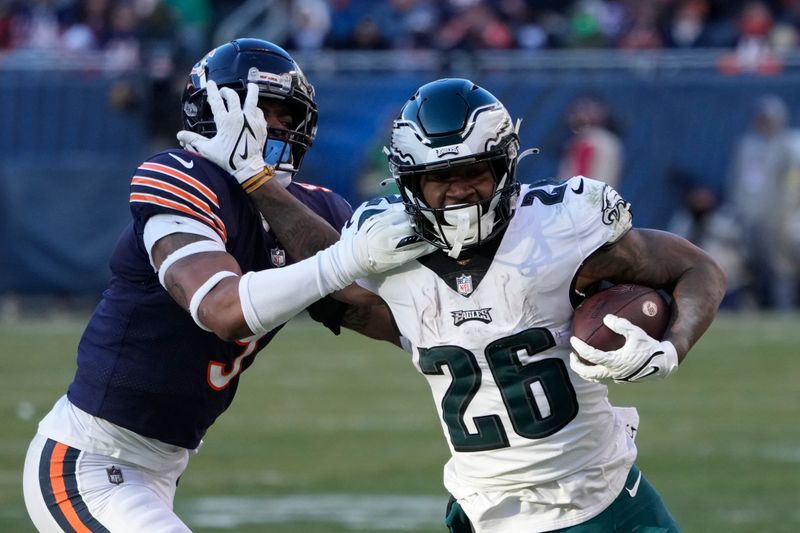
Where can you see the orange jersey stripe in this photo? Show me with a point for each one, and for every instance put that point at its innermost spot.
(313, 187)
(158, 184)
(184, 177)
(164, 186)
(157, 200)
(60, 490)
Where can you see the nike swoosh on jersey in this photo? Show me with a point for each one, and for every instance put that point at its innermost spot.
(633, 490)
(185, 163)
(579, 190)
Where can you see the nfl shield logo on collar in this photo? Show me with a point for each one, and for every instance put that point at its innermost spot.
(464, 284)
(278, 257)
(114, 475)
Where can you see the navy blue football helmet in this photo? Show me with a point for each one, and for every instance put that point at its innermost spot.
(448, 123)
(243, 61)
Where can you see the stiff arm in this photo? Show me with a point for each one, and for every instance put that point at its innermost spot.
(303, 233)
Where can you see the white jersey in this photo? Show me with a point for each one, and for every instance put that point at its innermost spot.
(494, 347)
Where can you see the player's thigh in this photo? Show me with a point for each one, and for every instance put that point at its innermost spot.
(637, 509)
(34, 498)
(67, 490)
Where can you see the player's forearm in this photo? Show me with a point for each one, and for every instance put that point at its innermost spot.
(301, 231)
(221, 311)
(268, 298)
(257, 302)
(233, 306)
(697, 295)
(372, 319)
(663, 260)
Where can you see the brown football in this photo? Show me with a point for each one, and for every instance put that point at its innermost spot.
(642, 306)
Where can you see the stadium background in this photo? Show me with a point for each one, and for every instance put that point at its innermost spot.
(79, 118)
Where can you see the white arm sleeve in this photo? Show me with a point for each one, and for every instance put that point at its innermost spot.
(159, 226)
(271, 297)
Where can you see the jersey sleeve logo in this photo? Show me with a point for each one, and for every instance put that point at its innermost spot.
(186, 164)
(614, 206)
(616, 213)
(175, 191)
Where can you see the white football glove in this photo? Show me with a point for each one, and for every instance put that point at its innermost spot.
(641, 358)
(385, 241)
(238, 146)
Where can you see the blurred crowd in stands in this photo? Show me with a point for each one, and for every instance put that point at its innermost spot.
(163, 38)
(412, 24)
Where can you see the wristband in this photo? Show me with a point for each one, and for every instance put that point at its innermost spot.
(254, 182)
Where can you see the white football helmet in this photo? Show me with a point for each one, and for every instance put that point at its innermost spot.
(448, 123)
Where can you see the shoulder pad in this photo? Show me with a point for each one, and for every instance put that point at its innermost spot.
(179, 159)
(591, 205)
(549, 192)
(312, 188)
(173, 182)
(592, 199)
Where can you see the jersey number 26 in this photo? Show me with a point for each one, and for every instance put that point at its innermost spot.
(538, 396)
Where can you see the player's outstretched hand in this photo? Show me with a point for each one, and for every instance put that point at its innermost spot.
(383, 242)
(238, 145)
(641, 358)
(386, 241)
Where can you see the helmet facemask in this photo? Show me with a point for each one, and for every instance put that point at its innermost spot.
(458, 227)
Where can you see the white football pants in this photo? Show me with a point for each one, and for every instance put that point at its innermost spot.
(69, 490)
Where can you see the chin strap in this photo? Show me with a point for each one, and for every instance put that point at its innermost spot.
(526, 153)
(461, 233)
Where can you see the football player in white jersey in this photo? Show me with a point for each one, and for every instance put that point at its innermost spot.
(536, 445)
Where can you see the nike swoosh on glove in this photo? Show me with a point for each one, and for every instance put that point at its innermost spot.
(641, 358)
(238, 146)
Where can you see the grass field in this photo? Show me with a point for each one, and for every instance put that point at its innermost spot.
(339, 434)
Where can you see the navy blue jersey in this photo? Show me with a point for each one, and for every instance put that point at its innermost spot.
(143, 363)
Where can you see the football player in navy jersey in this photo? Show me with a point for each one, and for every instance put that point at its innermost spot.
(200, 283)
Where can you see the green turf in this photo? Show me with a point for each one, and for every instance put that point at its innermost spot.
(321, 420)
